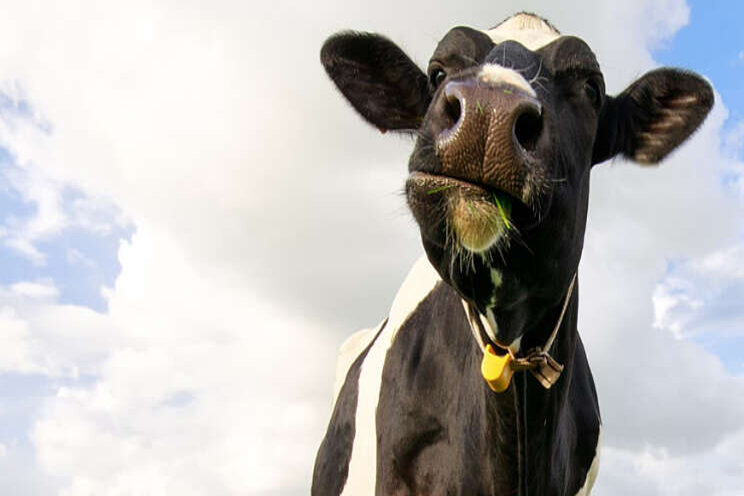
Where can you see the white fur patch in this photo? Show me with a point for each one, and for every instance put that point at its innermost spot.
(362, 476)
(529, 30)
(489, 324)
(496, 74)
(591, 476)
(347, 353)
(492, 329)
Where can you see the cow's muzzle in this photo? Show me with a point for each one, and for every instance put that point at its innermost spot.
(488, 134)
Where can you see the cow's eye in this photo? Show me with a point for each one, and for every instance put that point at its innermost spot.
(591, 88)
(436, 77)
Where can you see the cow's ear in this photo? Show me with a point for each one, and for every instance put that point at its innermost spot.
(378, 79)
(652, 116)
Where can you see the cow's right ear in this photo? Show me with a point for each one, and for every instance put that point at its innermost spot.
(379, 80)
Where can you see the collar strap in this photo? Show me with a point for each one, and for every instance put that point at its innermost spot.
(497, 370)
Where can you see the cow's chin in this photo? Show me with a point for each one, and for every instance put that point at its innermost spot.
(466, 230)
(464, 218)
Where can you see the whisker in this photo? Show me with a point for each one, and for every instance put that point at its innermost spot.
(537, 75)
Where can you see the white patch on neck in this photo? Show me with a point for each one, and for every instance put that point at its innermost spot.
(496, 74)
(489, 323)
(591, 476)
(529, 30)
(362, 475)
(492, 329)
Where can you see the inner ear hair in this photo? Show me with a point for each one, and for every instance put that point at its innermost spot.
(664, 107)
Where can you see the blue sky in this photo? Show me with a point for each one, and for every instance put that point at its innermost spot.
(712, 44)
(78, 261)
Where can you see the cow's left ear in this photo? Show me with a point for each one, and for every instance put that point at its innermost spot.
(379, 80)
(652, 116)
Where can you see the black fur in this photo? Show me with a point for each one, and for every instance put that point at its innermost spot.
(377, 78)
(539, 263)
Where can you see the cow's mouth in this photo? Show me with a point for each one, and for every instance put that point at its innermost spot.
(475, 215)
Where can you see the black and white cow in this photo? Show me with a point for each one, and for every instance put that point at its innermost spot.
(509, 123)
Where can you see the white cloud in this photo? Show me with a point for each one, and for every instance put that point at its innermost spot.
(718, 471)
(15, 343)
(49, 219)
(724, 264)
(41, 336)
(33, 185)
(669, 297)
(268, 225)
(656, 387)
(734, 139)
(703, 296)
(227, 352)
(36, 290)
(53, 213)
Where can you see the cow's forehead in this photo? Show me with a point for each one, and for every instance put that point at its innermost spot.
(530, 30)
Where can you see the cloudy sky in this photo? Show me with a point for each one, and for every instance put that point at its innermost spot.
(192, 220)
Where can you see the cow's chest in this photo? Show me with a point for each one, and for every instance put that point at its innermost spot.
(434, 431)
(414, 416)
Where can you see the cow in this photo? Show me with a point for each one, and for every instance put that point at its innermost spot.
(477, 382)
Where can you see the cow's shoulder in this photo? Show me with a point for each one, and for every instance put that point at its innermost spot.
(417, 285)
(346, 458)
(349, 352)
(332, 462)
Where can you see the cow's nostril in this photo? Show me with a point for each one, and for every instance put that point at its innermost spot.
(527, 128)
(453, 107)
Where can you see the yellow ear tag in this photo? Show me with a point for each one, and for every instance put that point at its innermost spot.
(496, 370)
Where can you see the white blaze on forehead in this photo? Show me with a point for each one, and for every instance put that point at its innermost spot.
(496, 74)
(527, 29)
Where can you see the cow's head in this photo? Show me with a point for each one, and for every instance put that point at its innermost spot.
(509, 123)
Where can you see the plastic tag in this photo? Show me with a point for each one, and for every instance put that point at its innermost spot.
(496, 370)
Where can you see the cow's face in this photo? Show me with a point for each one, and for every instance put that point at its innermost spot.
(508, 125)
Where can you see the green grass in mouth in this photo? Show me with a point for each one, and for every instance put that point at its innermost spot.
(504, 206)
(440, 189)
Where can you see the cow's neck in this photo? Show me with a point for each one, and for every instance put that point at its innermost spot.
(440, 427)
(537, 413)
